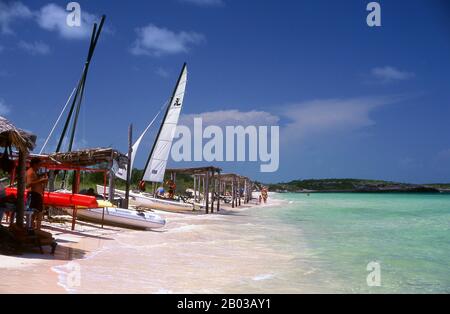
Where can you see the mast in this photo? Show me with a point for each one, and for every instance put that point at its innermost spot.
(164, 119)
(77, 100)
(76, 103)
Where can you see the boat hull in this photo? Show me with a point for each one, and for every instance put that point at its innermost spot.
(144, 200)
(122, 217)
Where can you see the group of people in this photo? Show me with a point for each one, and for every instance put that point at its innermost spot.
(160, 191)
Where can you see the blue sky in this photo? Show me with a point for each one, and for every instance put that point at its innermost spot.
(351, 101)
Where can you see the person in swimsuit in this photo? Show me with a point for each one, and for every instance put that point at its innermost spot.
(172, 187)
(36, 185)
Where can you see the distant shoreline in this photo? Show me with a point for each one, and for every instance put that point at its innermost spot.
(355, 186)
(364, 192)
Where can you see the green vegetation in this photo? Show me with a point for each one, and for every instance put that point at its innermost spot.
(90, 180)
(351, 185)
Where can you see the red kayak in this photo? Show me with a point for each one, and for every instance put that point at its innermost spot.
(57, 199)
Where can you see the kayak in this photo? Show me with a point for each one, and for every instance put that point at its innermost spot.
(123, 217)
(57, 199)
(100, 204)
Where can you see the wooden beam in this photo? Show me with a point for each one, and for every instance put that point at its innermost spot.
(195, 188)
(233, 194)
(218, 192)
(207, 192)
(203, 183)
(21, 185)
(75, 190)
(213, 180)
(239, 192)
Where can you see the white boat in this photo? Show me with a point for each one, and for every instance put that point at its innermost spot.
(123, 217)
(159, 154)
(146, 200)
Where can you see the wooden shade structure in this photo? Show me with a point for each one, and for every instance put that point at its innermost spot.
(24, 142)
(237, 183)
(90, 160)
(212, 180)
(208, 176)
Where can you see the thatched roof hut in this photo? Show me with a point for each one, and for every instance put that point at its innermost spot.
(12, 136)
(24, 142)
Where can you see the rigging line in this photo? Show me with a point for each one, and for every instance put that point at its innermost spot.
(57, 121)
(159, 112)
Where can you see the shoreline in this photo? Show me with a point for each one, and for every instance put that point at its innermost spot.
(90, 247)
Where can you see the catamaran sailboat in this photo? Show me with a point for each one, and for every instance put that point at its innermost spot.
(159, 155)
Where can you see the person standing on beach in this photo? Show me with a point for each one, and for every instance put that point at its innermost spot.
(172, 187)
(36, 185)
(264, 194)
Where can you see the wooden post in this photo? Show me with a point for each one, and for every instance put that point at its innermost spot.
(21, 185)
(218, 192)
(75, 190)
(76, 182)
(233, 194)
(239, 191)
(204, 195)
(247, 192)
(174, 175)
(195, 189)
(207, 191)
(129, 170)
(213, 180)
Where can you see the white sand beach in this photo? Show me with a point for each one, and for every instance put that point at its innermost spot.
(230, 252)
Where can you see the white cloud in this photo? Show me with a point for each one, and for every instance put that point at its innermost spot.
(316, 117)
(4, 109)
(330, 116)
(52, 17)
(10, 12)
(205, 3)
(155, 41)
(35, 48)
(232, 118)
(389, 74)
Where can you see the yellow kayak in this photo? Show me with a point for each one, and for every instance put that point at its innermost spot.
(101, 204)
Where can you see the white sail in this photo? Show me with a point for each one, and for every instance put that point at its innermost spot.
(122, 172)
(156, 165)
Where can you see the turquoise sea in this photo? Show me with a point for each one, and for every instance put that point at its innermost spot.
(321, 243)
(339, 234)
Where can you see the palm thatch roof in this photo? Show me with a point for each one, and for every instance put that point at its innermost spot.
(100, 157)
(12, 136)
